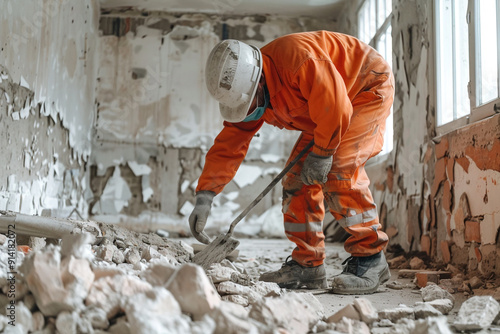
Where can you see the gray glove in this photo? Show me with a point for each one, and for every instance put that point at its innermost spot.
(315, 169)
(198, 218)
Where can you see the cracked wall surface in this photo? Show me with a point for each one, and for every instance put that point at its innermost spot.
(435, 194)
(47, 104)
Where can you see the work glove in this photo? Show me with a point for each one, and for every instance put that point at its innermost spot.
(316, 168)
(198, 218)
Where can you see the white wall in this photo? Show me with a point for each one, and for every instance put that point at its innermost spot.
(47, 103)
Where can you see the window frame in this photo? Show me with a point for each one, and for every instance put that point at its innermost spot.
(380, 30)
(476, 113)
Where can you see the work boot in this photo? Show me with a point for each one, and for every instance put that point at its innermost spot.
(294, 276)
(362, 275)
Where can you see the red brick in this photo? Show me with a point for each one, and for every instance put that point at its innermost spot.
(425, 244)
(424, 277)
(479, 256)
(464, 162)
(390, 178)
(472, 231)
(442, 148)
(445, 251)
(439, 175)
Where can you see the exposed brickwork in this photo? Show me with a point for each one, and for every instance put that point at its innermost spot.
(472, 231)
(445, 251)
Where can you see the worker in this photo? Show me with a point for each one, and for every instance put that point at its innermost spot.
(335, 90)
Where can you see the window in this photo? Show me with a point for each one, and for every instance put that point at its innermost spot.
(467, 62)
(374, 24)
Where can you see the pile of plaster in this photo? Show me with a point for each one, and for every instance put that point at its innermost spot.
(110, 280)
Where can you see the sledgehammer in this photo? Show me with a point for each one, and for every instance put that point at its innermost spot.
(219, 248)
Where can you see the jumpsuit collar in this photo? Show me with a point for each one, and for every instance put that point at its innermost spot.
(273, 80)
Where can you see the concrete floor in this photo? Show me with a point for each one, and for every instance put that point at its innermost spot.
(269, 254)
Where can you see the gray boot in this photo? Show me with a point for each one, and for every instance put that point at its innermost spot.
(362, 275)
(294, 276)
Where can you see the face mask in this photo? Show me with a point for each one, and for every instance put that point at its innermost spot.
(259, 111)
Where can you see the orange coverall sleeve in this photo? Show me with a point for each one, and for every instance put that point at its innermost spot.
(329, 106)
(225, 156)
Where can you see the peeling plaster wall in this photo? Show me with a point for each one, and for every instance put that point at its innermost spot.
(154, 110)
(435, 194)
(48, 73)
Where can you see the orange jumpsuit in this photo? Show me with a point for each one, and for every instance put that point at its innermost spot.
(339, 91)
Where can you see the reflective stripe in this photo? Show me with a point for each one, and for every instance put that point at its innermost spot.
(306, 227)
(363, 217)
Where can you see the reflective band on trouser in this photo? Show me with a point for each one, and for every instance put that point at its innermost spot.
(364, 217)
(303, 213)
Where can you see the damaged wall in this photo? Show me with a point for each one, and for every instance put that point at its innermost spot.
(435, 194)
(155, 112)
(48, 72)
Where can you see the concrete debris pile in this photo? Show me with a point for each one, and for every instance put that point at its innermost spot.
(109, 280)
(118, 283)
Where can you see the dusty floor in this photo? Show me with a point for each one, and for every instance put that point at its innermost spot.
(269, 254)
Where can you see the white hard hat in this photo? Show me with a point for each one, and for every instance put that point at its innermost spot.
(232, 75)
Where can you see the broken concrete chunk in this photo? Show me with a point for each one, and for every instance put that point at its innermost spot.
(67, 322)
(38, 321)
(228, 323)
(23, 319)
(105, 252)
(397, 313)
(118, 256)
(237, 299)
(367, 312)
(96, 316)
(425, 310)
(77, 278)
(158, 273)
(442, 305)
(193, 290)
(231, 288)
(110, 292)
(155, 311)
(78, 245)
(237, 310)
(149, 253)
(266, 289)
(283, 311)
(121, 327)
(218, 273)
(132, 256)
(29, 301)
(432, 325)
(3, 239)
(476, 313)
(347, 311)
(42, 274)
(312, 303)
(475, 282)
(432, 292)
(205, 325)
(346, 325)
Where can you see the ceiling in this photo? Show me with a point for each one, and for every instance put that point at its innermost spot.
(314, 8)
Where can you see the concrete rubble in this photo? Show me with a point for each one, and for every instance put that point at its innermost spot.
(110, 280)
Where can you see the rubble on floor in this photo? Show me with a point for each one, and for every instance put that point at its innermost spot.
(110, 280)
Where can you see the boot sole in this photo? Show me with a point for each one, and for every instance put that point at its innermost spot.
(319, 283)
(384, 277)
